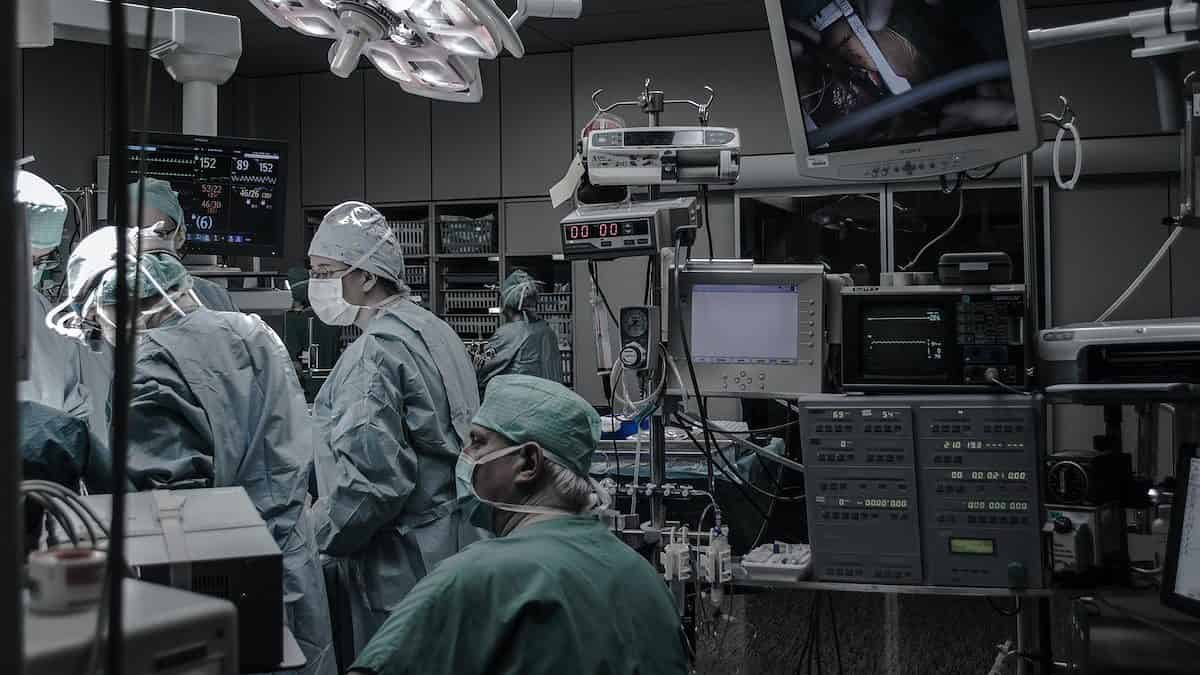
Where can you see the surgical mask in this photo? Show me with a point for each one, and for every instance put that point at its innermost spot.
(482, 509)
(326, 298)
(38, 274)
(331, 307)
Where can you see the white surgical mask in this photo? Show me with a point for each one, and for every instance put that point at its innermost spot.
(325, 296)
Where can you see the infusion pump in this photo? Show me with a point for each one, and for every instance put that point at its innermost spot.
(663, 156)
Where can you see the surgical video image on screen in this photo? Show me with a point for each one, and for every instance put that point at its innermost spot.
(873, 73)
(753, 324)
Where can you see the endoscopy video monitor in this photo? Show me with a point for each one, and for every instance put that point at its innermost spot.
(906, 89)
(232, 190)
(753, 331)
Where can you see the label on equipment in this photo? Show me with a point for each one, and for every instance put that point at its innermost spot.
(564, 189)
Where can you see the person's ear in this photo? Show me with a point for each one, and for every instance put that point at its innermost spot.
(531, 464)
(369, 281)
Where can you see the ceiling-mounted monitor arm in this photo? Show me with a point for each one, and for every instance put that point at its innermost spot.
(200, 50)
(1165, 32)
(546, 9)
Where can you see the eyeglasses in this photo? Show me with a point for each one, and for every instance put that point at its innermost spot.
(329, 273)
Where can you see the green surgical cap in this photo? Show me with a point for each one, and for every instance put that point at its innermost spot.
(524, 409)
(358, 235)
(159, 196)
(45, 210)
(160, 268)
(519, 291)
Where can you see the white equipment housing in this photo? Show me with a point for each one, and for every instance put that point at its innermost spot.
(663, 156)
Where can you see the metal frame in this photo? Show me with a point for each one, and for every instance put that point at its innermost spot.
(887, 193)
(824, 191)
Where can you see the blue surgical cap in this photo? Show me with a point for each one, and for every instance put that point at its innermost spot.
(358, 235)
(159, 196)
(45, 210)
(158, 271)
(519, 291)
(524, 409)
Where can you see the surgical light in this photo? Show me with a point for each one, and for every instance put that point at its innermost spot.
(430, 47)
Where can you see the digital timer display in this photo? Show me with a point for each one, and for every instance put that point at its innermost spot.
(627, 228)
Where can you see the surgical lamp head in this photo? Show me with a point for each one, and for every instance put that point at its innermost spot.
(431, 47)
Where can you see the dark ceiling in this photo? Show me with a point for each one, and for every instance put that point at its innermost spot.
(269, 50)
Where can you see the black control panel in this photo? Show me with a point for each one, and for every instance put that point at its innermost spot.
(862, 494)
(980, 492)
(942, 491)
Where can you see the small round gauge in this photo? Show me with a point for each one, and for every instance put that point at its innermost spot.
(634, 324)
(1068, 483)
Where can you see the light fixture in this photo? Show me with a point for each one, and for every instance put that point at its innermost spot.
(430, 47)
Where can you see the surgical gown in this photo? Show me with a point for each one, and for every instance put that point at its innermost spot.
(212, 295)
(63, 428)
(523, 348)
(55, 366)
(216, 404)
(556, 596)
(390, 423)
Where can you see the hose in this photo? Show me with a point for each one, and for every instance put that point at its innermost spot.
(1141, 278)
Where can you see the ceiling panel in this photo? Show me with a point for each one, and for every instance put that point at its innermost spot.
(626, 20)
(269, 50)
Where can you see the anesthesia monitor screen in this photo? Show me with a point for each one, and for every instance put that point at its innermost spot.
(744, 323)
(231, 190)
(903, 339)
(856, 72)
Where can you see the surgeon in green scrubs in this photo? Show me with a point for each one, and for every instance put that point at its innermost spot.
(555, 592)
(525, 344)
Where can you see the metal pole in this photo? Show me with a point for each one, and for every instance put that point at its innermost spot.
(200, 108)
(1040, 38)
(1032, 282)
(658, 437)
(11, 559)
(1025, 637)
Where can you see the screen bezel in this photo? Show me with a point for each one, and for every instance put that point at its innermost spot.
(979, 150)
(1171, 564)
(270, 250)
(853, 307)
(787, 381)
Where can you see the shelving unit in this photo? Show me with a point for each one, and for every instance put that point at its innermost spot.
(554, 302)
(455, 260)
(468, 262)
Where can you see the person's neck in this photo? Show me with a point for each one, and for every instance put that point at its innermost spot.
(511, 521)
(376, 296)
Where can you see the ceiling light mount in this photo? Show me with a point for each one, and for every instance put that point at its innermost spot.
(430, 47)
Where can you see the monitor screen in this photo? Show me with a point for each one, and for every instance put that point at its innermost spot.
(745, 323)
(843, 68)
(903, 340)
(1186, 580)
(232, 190)
(896, 84)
